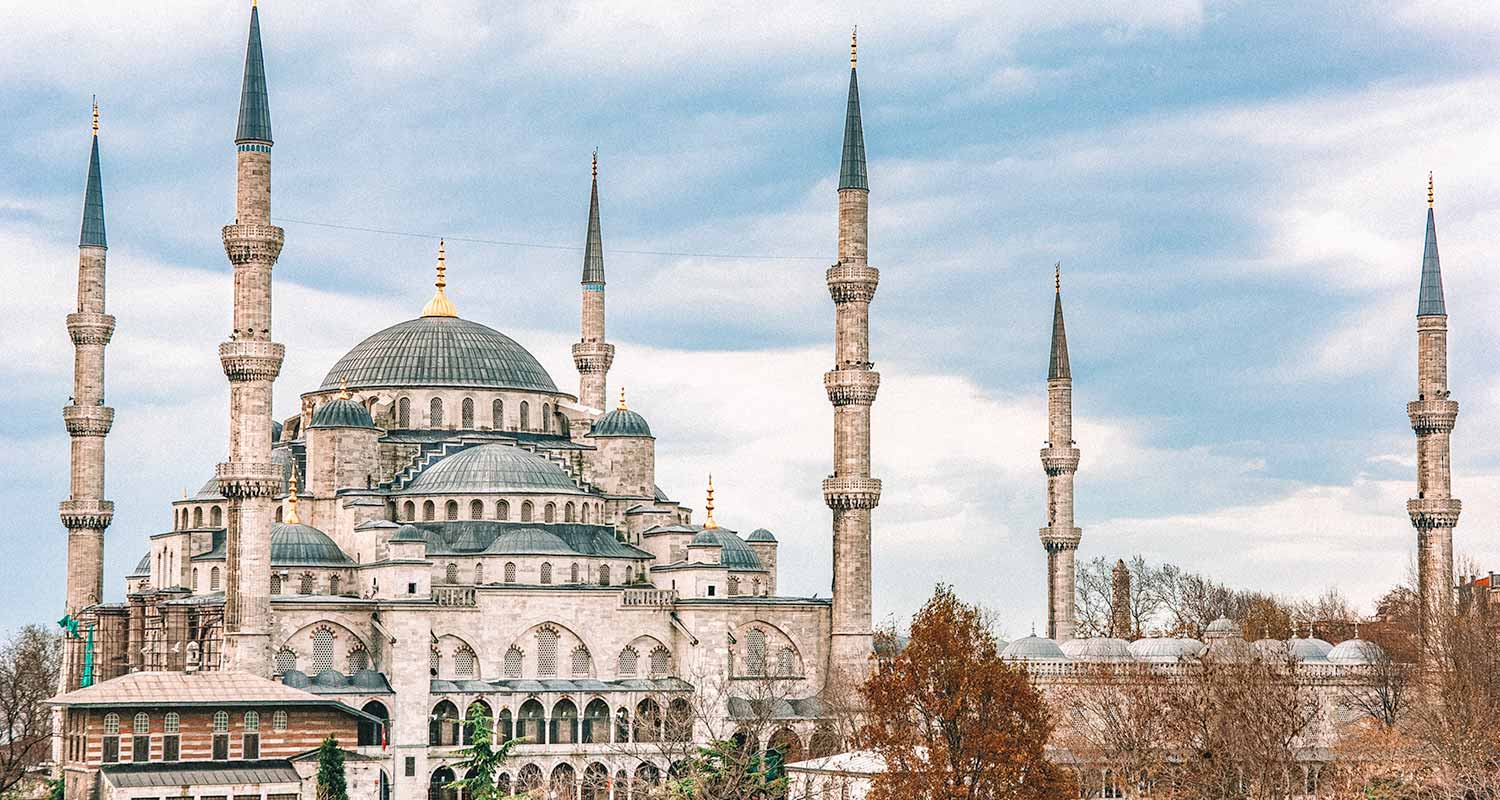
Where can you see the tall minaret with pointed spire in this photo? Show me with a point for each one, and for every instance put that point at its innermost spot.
(1434, 511)
(86, 513)
(851, 385)
(251, 362)
(592, 355)
(1060, 461)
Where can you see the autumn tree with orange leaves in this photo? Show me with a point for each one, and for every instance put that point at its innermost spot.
(952, 720)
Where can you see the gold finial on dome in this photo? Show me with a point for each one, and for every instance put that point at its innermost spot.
(291, 499)
(1429, 179)
(708, 506)
(595, 166)
(439, 306)
(854, 47)
(1057, 277)
(96, 115)
(622, 399)
(344, 387)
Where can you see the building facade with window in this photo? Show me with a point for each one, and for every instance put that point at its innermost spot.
(442, 532)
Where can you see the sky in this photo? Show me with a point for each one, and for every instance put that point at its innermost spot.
(1235, 191)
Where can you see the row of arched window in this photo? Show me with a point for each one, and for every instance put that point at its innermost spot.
(549, 664)
(358, 658)
(563, 781)
(570, 512)
(550, 419)
(305, 583)
(577, 573)
(171, 728)
(184, 518)
(598, 724)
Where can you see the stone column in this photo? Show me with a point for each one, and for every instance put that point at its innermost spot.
(1119, 601)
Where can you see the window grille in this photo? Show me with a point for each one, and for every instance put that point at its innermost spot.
(628, 658)
(435, 411)
(546, 651)
(213, 579)
(322, 649)
(467, 414)
(252, 722)
(510, 572)
(573, 577)
(286, 660)
(451, 510)
(661, 662)
(306, 583)
(278, 721)
(451, 573)
(275, 584)
(463, 662)
(513, 658)
(359, 659)
(786, 662)
(221, 722)
(580, 662)
(546, 572)
(172, 723)
(434, 661)
(403, 412)
(142, 723)
(502, 510)
(479, 573)
(111, 724)
(497, 414)
(603, 574)
(755, 647)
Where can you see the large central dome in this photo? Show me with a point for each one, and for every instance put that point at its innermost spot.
(440, 351)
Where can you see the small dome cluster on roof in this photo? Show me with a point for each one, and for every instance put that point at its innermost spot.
(342, 412)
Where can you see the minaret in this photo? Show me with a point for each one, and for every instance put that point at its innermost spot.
(851, 385)
(251, 362)
(86, 513)
(1119, 601)
(1060, 461)
(1434, 511)
(592, 355)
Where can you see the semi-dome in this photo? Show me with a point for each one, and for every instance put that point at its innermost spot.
(1309, 649)
(1033, 648)
(1355, 652)
(1165, 650)
(493, 468)
(342, 413)
(439, 351)
(621, 422)
(143, 568)
(528, 541)
(295, 544)
(1097, 649)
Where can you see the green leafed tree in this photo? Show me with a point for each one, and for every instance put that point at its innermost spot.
(482, 760)
(331, 782)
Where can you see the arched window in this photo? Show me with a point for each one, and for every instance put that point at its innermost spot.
(562, 422)
(403, 412)
(434, 661)
(513, 660)
(440, 785)
(647, 721)
(286, 660)
(476, 509)
(506, 723)
(467, 413)
(510, 572)
(497, 414)
(568, 512)
(275, 583)
(549, 512)
(477, 710)
(526, 511)
(213, 579)
(450, 511)
(627, 665)
(525, 416)
(195, 580)
(604, 574)
(622, 725)
(450, 574)
(596, 723)
(409, 511)
(443, 725)
(429, 511)
(546, 652)
(373, 732)
(755, 652)
(583, 515)
(788, 744)
(322, 639)
(755, 587)
(581, 662)
(221, 722)
(531, 724)
(435, 412)
(546, 572)
(824, 742)
(141, 723)
(573, 573)
(198, 516)
(306, 583)
(502, 510)
(333, 585)
(463, 662)
(786, 662)
(661, 662)
(733, 586)
(221, 736)
(629, 573)
(546, 417)
(564, 728)
(216, 517)
(479, 574)
(359, 659)
(528, 779)
(250, 737)
(171, 740)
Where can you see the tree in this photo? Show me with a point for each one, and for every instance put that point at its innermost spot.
(953, 720)
(723, 769)
(482, 760)
(1115, 716)
(331, 782)
(29, 665)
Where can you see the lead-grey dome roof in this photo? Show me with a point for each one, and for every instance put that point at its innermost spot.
(143, 568)
(1310, 649)
(440, 351)
(342, 413)
(298, 544)
(733, 553)
(1165, 649)
(761, 535)
(1033, 648)
(1097, 649)
(1352, 652)
(621, 422)
(493, 468)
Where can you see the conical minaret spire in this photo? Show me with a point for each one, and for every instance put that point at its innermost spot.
(1060, 461)
(592, 354)
(852, 384)
(1434, 511)
(86, 514)
(251, 363)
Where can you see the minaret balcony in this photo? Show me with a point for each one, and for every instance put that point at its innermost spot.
(253, 243)
(851, 492)
(251, 359)
(852, 283)
(86, 514)
(1432, 416)
(593, 356)
(851, 386)
(249, 479)
(88, 420)
(1433, 512)
(89, 328)
(1059, 539)
(1060, 460)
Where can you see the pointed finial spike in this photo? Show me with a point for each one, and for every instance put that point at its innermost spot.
(1057, 277)
(439, 305)
(1429, 189)
(622, 399)
(708, 505)
(594, 167)
(96, 115)
(291, 499)
(854, 47)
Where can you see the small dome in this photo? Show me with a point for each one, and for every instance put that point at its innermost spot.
(342, 413)
(304, 545)
(143, 568)
(491, 468)
(1165, 650)
(706, 538)
(330, 677)
(409, 533)
(736, 554)
(295, 678)
(621, 422)
(1270, 649)
(1033, 648)
(1097, 649)
(439, 351)
(761, 535)
(1309, 649)
(1355, 652)
(1222, 628)
(367, 679)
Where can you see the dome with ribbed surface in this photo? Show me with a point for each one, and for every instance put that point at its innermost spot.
(439, 351)
(761, 535)
(1165, 650)
(342, 413)
(142, 569)
(1355, 652)
(621, 422)
(735, 554)
(528, 541)
(1309, 649)
(1097, 649)
(1033, 648)
(304, 545)
(493, 468)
